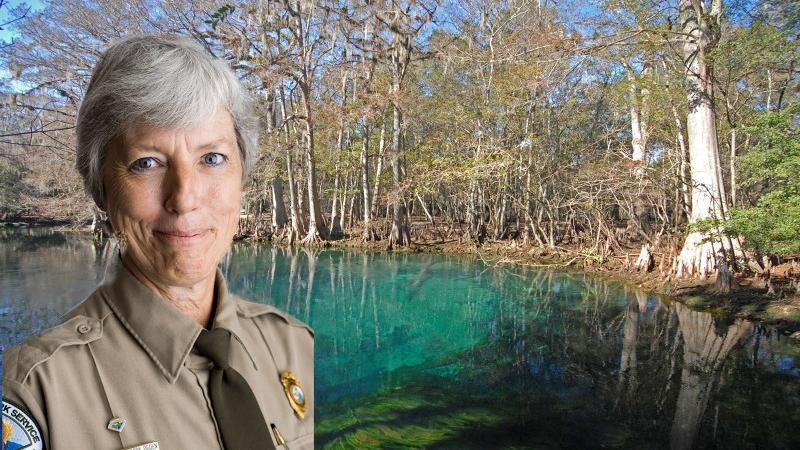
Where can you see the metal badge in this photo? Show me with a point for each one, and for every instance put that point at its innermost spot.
(117, 424)
(294, 393)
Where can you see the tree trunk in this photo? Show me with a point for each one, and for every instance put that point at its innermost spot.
(638, 108)
(403, 35)
(724, 281)
(378, 170)
(316, 224)
(336, 228)
(698, 258)
(638, 120)
(645, 261)
(343, 215)
(682, 165)
(350, 207)
(399, 235)
(296, 229)
(279, 219)
(369, 231)
(733, 167)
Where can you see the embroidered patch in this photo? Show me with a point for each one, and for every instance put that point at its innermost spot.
(20, 431)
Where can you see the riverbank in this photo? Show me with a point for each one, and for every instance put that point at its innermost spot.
(748, 299)
(438, 349)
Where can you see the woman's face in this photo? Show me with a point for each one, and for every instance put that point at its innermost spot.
(175, 194)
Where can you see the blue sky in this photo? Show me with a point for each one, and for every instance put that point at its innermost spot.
(7, 32)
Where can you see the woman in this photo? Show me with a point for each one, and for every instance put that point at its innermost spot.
(161, 355)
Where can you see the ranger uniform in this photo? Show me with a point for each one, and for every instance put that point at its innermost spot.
(121, 372)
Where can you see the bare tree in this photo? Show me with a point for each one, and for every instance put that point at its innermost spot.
(404, 22)
(700, 24)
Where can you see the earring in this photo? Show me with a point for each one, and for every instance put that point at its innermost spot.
(122, 241)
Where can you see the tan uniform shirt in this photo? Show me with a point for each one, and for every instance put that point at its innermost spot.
(125, 353)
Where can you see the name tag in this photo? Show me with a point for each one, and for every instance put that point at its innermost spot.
(148, 446)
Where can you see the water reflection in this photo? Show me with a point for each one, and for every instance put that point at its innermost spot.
(42, 275)
(705, 347)
(627, 365)
(427, 351)
(420, 350)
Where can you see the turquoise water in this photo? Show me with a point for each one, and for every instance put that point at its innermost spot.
(429, 351)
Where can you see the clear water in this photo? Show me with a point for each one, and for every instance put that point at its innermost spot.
(429, 351)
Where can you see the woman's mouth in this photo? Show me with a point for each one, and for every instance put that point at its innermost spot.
(181, 237)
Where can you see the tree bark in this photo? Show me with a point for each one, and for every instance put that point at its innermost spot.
(369, 233)
(733, 167)
(295, 230)
(682, 165)
(698, 257)
(644, 263)
(638, 107)
(335, 227)
(378, 171)
(399, 235)
(316, 224)
(279, 219)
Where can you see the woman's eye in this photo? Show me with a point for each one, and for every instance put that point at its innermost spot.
(213, 159)
(144, 164)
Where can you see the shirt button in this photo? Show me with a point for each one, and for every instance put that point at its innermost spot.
(84, 328)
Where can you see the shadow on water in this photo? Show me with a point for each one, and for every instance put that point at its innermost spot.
(428, 351)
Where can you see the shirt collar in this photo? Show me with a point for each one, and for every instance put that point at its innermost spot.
(166, 334)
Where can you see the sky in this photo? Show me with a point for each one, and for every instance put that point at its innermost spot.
(6, 33)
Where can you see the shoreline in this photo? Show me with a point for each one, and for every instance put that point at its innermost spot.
(745, 300)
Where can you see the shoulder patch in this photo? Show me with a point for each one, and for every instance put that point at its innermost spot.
(250, 309)
(20, 430)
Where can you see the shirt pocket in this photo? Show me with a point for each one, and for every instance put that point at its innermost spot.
(305, 441)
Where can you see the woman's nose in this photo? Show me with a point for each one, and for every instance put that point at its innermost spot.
(181, 188)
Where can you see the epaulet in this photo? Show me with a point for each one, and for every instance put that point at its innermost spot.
(250, 309)
(37, 349)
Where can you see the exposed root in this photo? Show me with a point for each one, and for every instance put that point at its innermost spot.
(336, 230)
(314, 237)
(370, 234)
(645, 261)
(724, 281)
(291, 237)
(399, 236)
(700, 258)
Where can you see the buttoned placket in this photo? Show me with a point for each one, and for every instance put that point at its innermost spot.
(200, 367)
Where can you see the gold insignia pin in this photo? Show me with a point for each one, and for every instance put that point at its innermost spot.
(294, 393)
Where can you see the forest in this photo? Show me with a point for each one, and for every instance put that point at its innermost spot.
(603, 126)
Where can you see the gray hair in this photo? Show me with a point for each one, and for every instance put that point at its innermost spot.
(163, 81)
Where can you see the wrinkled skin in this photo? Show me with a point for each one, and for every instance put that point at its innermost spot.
(175, 196)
